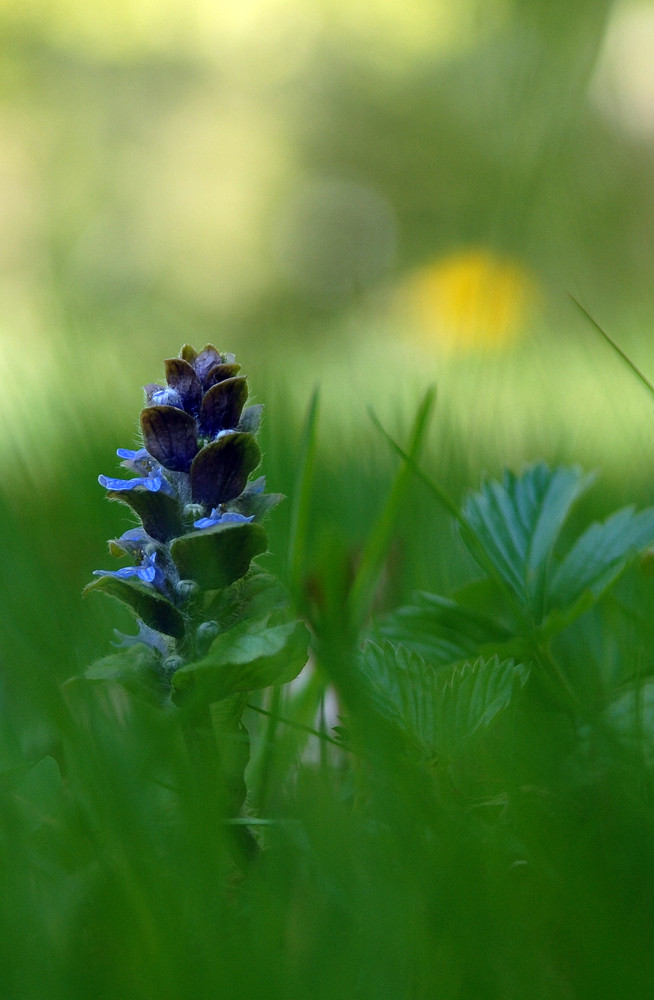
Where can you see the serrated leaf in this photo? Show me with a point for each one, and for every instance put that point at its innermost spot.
(159, 512)
(600, 555)
(148, 605)
(216, 557)
(473, 695)
(242, 660)
(220, 471)
(439, 712)
(135, 669)
(440, 630)
(512, 526)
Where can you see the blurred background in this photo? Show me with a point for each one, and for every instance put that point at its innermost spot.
(375, 197)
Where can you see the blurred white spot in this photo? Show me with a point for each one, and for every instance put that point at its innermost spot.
(623, 84)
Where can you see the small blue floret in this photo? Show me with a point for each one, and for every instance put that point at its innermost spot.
(139, 461)
(229, 517)
(148, 572)
(155, 483)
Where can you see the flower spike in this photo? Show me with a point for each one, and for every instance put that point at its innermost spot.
(191, 481)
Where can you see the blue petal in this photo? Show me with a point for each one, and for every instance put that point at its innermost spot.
(123, 574)
(110, 483)
(146, 573)
(139, 461)
(132, 456)
(134, 535)
(152, 483)
(205, 522)
(229, 517)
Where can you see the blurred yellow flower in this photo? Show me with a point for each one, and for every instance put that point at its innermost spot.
(471, 299)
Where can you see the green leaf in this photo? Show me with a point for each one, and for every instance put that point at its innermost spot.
(216, 557)
(512, 527)
(473, 695)
(600, 555)
(170, 435)
(252, 503)
(152, 608)
(180, 375)
(251, 418)
(255, 597)
(442, 631)
(136, 669)
(159, 512)
(630, 716)
(220, 470)
(222, 405)
(595, 562)
(438, 711)
(243, 659)
(39, 795)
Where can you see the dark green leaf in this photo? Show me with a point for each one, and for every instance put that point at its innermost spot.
(255, 596)
(220, 372)
(170, 436)
(220, 471)
(243, 660)
(258, 504)
(205, 361)
(441, 630)
(136, 669)
(148, 605)
(180, 375)
(159, 512)
(216, 557)
(222, 405)
(438, 711)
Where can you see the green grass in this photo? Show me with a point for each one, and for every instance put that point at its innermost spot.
(520, 868)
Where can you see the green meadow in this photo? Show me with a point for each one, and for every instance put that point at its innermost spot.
(387, 215)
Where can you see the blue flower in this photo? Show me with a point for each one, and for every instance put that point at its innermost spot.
(137, 461)
(229, 517)
(154, 482)
(147, 572)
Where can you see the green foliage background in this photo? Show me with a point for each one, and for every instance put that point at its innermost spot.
(151, 176)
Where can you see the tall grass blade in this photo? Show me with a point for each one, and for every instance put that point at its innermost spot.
(380, 535)
(618, 350)
(302, 493)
